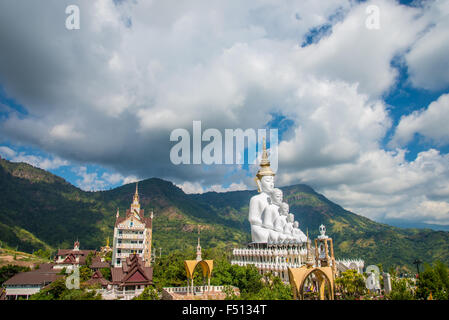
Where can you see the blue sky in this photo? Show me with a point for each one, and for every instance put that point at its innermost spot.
(361, 112)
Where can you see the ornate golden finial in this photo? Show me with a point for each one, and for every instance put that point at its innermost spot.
(136, 195)
(135, 206)
(265, 169)
(107, 242)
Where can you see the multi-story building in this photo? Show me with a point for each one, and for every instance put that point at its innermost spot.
(132, 234)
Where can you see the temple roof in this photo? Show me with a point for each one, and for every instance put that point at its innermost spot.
(132, 272)
(42, 276)
(98, 264)
(97, 277)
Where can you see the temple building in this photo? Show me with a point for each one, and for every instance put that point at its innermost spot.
(71, 258)
(132, 234)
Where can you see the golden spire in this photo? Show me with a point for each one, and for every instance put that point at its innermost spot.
(265, 169)
(107, 242)
(135, 206)
(136, 194)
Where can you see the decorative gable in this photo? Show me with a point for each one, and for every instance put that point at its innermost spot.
(131, 223)
(137, 276)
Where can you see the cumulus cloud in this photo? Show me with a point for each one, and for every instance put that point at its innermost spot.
(92, 181)
(428, 58)
(431, 123)
(112, 92)
(189, 187)
(383, 185)
(37, 161)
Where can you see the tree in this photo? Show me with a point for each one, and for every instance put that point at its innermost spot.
(351, 284)
(433, 280)
(6, 272)
(400, 288)
(149, 293)
(57, 290)
(85, 273)
(52, 292)
(46, 254)
(106, 272)
(89, 258)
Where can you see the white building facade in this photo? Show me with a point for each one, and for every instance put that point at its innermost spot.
(132, 234)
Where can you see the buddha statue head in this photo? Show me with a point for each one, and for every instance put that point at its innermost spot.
(266, 184)
(283, 209)
(296, 224)
(277, 196)
(265, 176)
(291, 218)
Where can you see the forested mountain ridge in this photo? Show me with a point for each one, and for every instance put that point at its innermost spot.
(41, 210)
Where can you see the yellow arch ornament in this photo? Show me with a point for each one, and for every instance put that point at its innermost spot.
(206, 266)
(298, 276)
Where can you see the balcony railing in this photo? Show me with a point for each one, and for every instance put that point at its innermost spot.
(130, 236)
(130, 245)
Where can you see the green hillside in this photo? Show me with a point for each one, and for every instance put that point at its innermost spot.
(41, 210)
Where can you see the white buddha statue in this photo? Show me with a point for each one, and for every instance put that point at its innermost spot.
(258, 203)
(281, 221)
(288, 227)
(271, 213)
(298, 235)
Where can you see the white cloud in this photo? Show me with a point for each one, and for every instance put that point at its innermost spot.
(432, 123)
(189, 187)
(7, 152)
(428, 59)
(64, 132)
(111, 92)
(34, 160)
(360, 55)
(383, 185)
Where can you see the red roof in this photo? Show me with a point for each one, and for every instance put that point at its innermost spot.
(98, 264)
(97, 277)
(132, 272)
(41, 276)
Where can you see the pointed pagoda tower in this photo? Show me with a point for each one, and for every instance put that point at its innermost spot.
(132, 233)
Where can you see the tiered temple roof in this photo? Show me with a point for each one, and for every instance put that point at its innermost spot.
(132, 272)
(97, 278)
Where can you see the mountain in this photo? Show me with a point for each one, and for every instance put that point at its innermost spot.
(41, 210)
